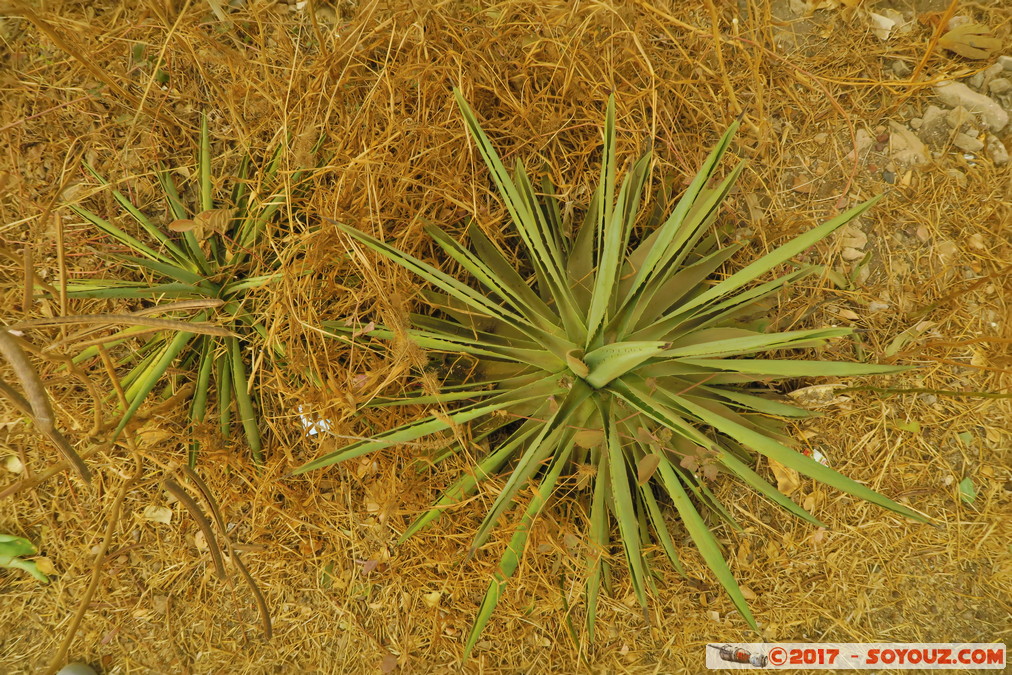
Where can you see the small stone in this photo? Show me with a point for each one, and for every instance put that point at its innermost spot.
(1000, 85)
(933, 114)
(957, 117)
(901, 69)
(916, 122)
(967, 143)
(958, 176)
(1005, 62)
(850, 254)
(977, 81)
(992, 71)
(889, 177)
(959, 20)
(996, 151)
(877, 306)
(956, 93)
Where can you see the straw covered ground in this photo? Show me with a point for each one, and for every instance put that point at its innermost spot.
(839, 104)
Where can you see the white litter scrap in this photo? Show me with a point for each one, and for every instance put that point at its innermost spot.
(819, 457)
(312, 427)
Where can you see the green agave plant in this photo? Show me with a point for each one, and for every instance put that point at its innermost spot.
(208, 258)
(626, 361)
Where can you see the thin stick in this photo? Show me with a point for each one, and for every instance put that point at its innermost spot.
(187, 501)
(939, 29)
(720, 56)
(265, 614)
(96, 571)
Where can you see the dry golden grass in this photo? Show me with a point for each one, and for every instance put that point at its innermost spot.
(374, 79)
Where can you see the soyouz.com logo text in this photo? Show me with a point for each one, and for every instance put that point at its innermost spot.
(856, 656)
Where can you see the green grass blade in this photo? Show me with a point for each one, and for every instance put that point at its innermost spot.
(581, 263)
(142, 220)
(443, 281)
(538, 358)
(763, 487)
(424, 427)
(704, 539)
(204, 166)
(114, 288)
(223, 365)
(614, 239)
(511, 291)
(759, 404)
(609, 173)
(169, 270)
(664, 246)
(175, 202)
(780, 369)
(780, 255)
(560, 294)
(625, 510)
(793, 459)
(756, 343)
(497, 263)
(514, 552)
(153, 374)
(119, 235)
(658, 298)
(466, 484)
(599, 535)
(529, 224)
(556, 433)
(241, 386)
(660, 527)
(198, 409)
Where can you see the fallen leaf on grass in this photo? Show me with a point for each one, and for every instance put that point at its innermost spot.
(966, 490)
(972, 40)
(388, 664)
(157, 514)
(788, 480)
(45, 565)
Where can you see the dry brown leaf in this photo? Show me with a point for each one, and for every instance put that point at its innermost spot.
(45, 565)
(215, 220)
(589, 438)
(157, 514)
(389, 663)
(646, 467)
(182, 225)
(788, 480)
(972, 40)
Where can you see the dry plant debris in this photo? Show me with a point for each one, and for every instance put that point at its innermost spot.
(924, 277)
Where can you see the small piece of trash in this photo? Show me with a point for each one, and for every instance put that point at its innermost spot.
(313, 427)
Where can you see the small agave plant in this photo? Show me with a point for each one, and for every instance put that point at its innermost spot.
(626, 362)
(206, 257)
